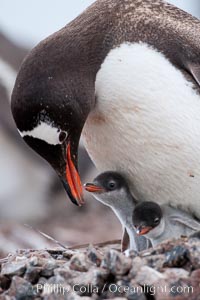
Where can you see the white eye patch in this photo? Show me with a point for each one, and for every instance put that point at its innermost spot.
(45, 132)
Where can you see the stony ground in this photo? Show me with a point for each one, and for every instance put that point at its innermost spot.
(170, 271)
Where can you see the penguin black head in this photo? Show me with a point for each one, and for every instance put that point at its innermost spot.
(55, 91)
(110, 188)
(50, 106)
(146, 216)
(107, 182)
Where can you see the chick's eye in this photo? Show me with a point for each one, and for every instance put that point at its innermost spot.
(111, 185)
(62, 136)
(156, 220)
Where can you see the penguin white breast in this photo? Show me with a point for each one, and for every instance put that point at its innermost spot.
(146, 124)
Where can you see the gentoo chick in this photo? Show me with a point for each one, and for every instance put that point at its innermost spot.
(111, 189)
(160, 223)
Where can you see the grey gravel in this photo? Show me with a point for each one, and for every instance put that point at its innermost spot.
(103, 273)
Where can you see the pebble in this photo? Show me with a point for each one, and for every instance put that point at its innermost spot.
(4, 282)
(176, 273)
(34, 261)
(32, 274)
(69, 253)
(48, 268)
(177, 257)
(80, 262)
(148, 276)
(116, 262)
(14, 268)
(94, 256)
(93, 278)
(21, 289)
(137, 263)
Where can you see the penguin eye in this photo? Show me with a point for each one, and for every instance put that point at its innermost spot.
(62, 136)
(156, 221)
(111, 185)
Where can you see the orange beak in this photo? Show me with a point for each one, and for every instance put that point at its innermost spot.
(93, 188)
(142, 230)
(73, 179)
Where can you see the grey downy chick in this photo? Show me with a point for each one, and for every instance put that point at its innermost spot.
(160, 223)
(111, 189)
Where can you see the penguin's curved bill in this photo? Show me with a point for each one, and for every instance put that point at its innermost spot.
(93, 188)
(141, 230)
(73, 185)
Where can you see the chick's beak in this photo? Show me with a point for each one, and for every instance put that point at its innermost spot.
(93, 188)
(73, 184)
(142, 230)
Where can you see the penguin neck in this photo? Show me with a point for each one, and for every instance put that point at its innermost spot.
(158, 232)
(124, 212)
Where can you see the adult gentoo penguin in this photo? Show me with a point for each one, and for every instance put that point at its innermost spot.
(126, 75)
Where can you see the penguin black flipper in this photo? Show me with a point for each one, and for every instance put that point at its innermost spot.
(125, 240)
(141, 242)
(190, 223)
(194, 70)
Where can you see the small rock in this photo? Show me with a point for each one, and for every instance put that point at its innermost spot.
(4, 282)
(13, 268)
(137, 263)
(42, 281)
(54, 280)
(148, 276)
(48, 268)
(135, 292)
(34, 261)
(100, 276)
(195, 253)
(66, 273)
(196, 275)
(79, 262)
(176, 273)
(116, 263)
(94, 256)
(179, 256)
(155, 261)
(91, 282)
(68, 254)
(32, 274)
(58, 257)
(21, 289)
(20, 258)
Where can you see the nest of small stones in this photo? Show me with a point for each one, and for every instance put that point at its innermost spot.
(170, 271)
